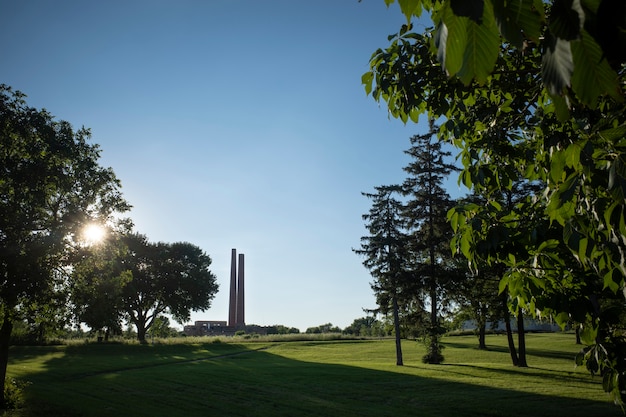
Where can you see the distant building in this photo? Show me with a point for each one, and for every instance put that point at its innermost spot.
(203, 328)
(220, 328)
(530, 325)
(236, 311)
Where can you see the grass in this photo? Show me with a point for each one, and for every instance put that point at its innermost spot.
(307, 378)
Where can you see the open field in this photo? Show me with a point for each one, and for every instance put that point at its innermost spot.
(307, 378)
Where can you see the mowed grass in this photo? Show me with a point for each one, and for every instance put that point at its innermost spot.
(308, 378)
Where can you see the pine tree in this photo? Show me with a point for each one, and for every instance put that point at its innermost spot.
(426, 216)
(386, 254)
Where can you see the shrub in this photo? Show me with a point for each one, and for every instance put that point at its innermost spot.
(14, 393)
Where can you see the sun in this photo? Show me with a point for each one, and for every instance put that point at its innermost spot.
(94, 233)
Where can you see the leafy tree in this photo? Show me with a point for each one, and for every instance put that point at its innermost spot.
(97, 284)
(51, 186)
(429, 231)
(386, 254)
(280, 329)
(365, 326)
(161, 328)
(480, 301)
(166, 278)
(569, 136)
(323, 328)
(581, 42)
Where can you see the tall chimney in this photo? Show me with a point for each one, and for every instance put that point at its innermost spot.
(232, 306)
(241, 320)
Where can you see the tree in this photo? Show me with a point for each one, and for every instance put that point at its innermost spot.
(480, 301)
(386, 254)
(51, 186)
(161, 328)
(582, 42)
(323, 328)
(166, 278)
(281, 329)
(98, 280)
(429, 231)
(506, 124)
(365, 326)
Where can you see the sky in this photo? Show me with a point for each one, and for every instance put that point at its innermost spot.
(231, 124)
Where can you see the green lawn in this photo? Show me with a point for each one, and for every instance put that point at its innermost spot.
(310, 378)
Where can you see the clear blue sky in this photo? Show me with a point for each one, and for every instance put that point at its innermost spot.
(231, 124)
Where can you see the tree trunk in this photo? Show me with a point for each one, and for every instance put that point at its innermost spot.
(482, 330)
(578, 341)
(521, 339)
(141, 335)
(5, 339)
(396, 325)
(140, 323)
(509, 334)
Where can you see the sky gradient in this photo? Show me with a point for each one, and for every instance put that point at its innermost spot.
(231, 124)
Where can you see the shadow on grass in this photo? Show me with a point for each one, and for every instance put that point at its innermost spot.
(232, 380)
(548, 354)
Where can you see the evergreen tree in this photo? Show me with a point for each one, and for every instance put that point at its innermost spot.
(426, 216)
(386, 254)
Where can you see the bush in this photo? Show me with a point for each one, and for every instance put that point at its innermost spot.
(433, 354)
(14, 393)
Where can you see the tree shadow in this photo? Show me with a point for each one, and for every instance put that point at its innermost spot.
(234, 380)
(545, 353)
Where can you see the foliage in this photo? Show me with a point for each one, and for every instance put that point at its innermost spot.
(387, 256)
(431, 265)
(582, 42)
(564, 249)
(14, 397)
(323, 328)
(130, 277)
(51, 186)
(366, 326)
(161, 328)
(98, 280)
(280, 329)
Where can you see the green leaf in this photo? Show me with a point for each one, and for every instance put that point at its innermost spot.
(451, 41)
(592, 76)
(366, 80)
(572, 154)
(557, 167)
(562, 319)
(465, 247)
(453, 218)
(566, 19)
(580, 357)
(503, 284)
(472, 9)
(409, 7)
(610, 380)
(519, 19)
(557, 65)
(560, 107)
(483, 46)
(613, 280)
(588, 334)
(615, 134)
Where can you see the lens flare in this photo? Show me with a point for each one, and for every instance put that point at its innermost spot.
(94, 233)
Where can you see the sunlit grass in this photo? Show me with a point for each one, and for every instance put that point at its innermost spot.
(308, 378)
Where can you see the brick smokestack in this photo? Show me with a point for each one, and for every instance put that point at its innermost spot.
(232, 306)
(241, 320)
